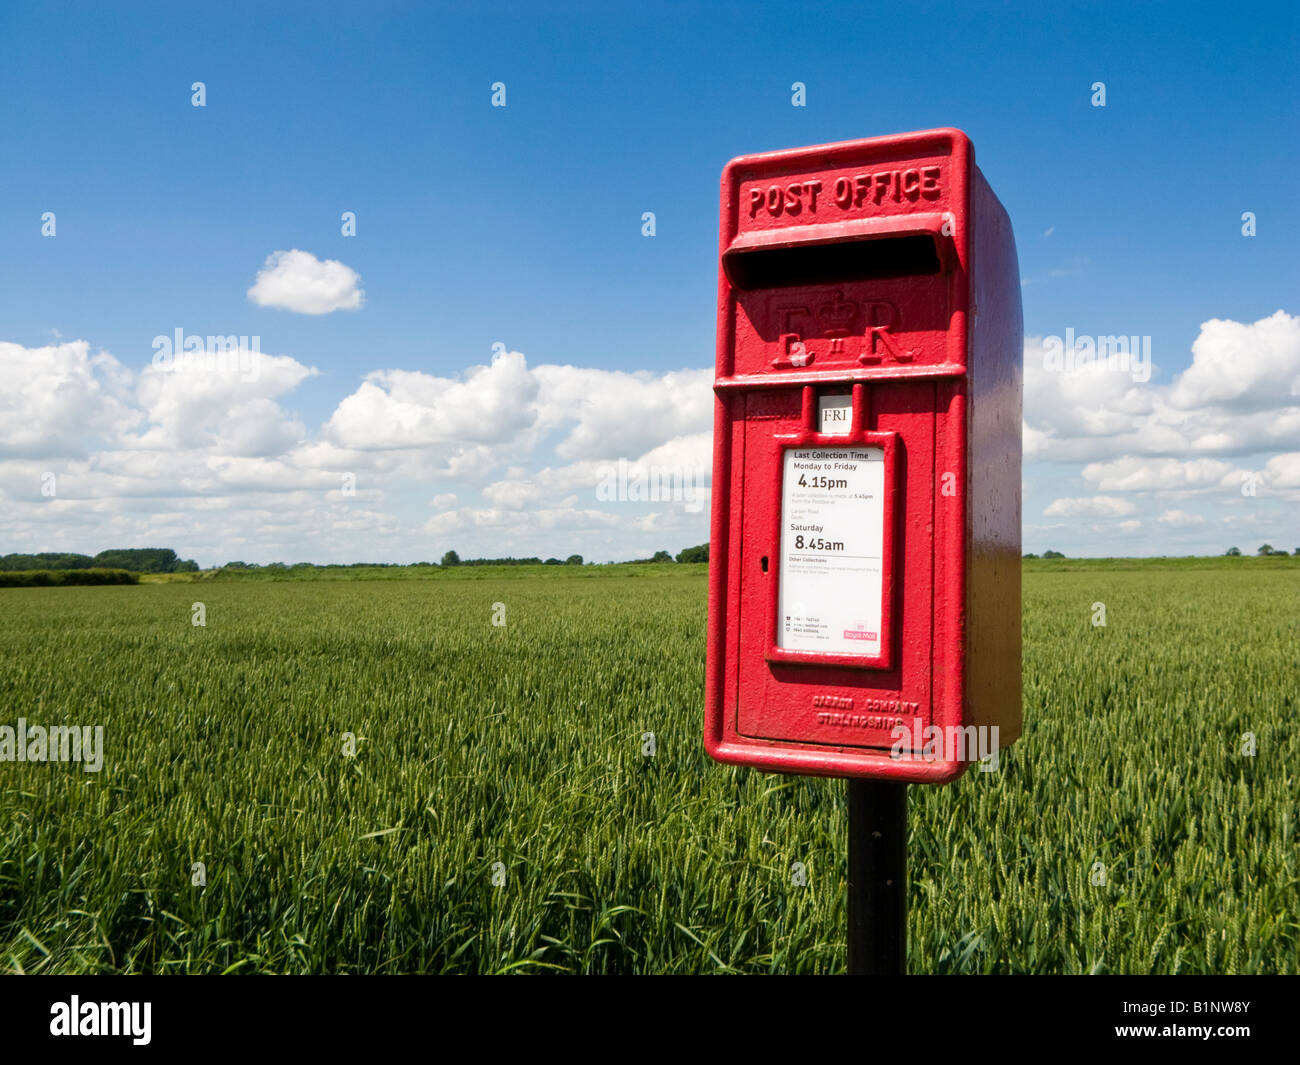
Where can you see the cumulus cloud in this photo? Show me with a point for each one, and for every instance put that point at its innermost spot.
(298, 281)
(1180, 519)
(1224, 432)
(407, 409)
(1283, 471)
(1240, 395)
(508, 458)
(230, 406)
(204, 453)
(1094, 506)
(615, 413)
(1136, 474)
(679, 469)
(598, 414)
(57, 400)
(1242, 366)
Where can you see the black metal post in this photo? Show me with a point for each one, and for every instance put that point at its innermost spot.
(877, 878)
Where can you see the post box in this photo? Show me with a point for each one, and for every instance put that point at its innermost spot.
(864, 577)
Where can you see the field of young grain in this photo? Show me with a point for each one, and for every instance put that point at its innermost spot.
(500, 815)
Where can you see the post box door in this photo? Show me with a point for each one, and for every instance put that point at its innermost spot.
(796, 695)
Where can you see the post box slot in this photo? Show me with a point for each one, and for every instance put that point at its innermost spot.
(862, 259)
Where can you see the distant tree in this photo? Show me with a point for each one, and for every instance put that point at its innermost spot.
(139, 559)
(694, 554)
(235, 565)
(552, 562)
(1030, 555)
(573, 560)
(451, 559)
(1233, 552)
(1052, 554)
(135, 560)
(46, 560)
(661, 556)
(1296, 551)
(1265, 549)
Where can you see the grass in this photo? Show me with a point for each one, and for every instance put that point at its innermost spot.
(515, 753)
(1238, 564)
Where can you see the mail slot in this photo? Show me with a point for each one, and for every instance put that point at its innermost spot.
(864, 583)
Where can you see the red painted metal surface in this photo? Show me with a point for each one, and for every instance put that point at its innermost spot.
(884, 269)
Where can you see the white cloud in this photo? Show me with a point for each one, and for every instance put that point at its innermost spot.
(1240, 395)
(60, 398)
(680, 467)
(197, 406)
(407, 409)
(205, 456)
(619, 414)
(604, 414)
(1283, 471)
(1243, 366)
(1180, 519)
(1092, 507)
(1132, 474)
(298, 281)
(508, 458)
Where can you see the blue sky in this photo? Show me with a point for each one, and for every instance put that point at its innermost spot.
(521, 225)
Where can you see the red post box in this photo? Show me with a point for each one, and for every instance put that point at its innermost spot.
(864, 584)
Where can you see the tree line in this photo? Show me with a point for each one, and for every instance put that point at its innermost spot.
(131, 559)
(699, 553)
(1264, 551)
(165, 560)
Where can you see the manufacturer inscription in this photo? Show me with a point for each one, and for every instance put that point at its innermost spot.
(859, 721)
(881, 713)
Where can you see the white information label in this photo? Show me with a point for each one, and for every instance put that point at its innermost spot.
(832, 543)
(834, 414)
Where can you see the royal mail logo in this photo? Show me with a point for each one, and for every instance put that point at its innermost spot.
(858, 634)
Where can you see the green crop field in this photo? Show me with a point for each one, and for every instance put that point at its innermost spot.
(500, 813)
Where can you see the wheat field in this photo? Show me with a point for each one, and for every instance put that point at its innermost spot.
(506, 809)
